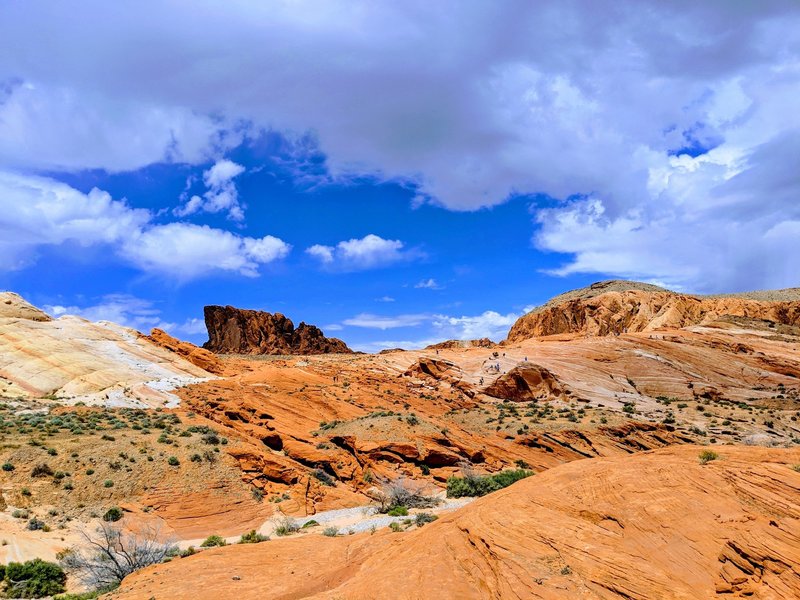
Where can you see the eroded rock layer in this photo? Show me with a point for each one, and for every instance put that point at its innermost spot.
(609, 308)
(241, 331)
(649, 525)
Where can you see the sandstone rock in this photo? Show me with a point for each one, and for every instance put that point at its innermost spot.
(448, 344)
(241, 331)
(649, 525)
(609, 308)
(197, 356)
(73, 360)
(525, 383)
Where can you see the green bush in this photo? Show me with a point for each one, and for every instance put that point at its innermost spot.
(173, 461)
(34, 579)
(706, 456)
(398, 511)
(476, 485)
(252, 537)
(8, 467)
(213, 540)
(113, 514)
(421, 518)
(330, 531)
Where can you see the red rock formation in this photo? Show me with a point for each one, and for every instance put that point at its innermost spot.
(240, 331)
(597, 312)
(525, 383)
(448, 344)
(650, 525)
(199, 357)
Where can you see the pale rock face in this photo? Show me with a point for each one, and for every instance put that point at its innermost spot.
(71, 359)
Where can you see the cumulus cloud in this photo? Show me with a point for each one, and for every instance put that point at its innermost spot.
(371, 321)
(369, 252)
(122, 309)
(128, 311)
(489, 324)
(469, 103)
(437, 327)
(38, 211)
(221, 194)
(187, 251)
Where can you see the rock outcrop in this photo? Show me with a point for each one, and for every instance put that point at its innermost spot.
(71, 359)
(525, 383)
(240, 331)
(650, 525)
(614, 307)
(450, 344)
(199, 357)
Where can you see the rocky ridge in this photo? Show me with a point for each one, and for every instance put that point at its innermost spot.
(616, 307)
(241, 331)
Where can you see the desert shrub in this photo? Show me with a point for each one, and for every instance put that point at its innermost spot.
(285, 526)
(421, 518)
(706, 456)
(196, 458)
(8, 467)
(479, 485)
(173, 461)
(796, 468)
(401, 492)
(323, 477)
(395, 526)
(112, 514)
(330, 531)
(190, 551)
(35, 524)
(252, 537)
(20, 513)
(426, 470)
(109, 555)
(42, 470)
(108, 483)
(311, 523)
(398, 511)
(34, 579)
(213, 540)
(258, 494)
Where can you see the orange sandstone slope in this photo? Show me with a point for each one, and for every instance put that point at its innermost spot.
(614, 307)
(650, 525)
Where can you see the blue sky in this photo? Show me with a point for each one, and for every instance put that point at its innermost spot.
(397, 173)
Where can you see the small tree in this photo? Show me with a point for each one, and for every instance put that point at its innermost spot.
(401, 492)
(111, 554)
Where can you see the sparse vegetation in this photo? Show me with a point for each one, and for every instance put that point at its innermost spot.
(213, 540)
(109, 555)
(706, 456)
(330, 531)
(471, 485)
(285, 526)
(253, 537)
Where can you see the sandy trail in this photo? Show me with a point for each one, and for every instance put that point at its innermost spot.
(347, 520)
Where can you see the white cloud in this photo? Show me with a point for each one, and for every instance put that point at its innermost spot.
(221, 194)
(489, 324)
(369, 252)
(428, 284)
(37, 211)
(371, 321)
(384, 299)
(471, 102)
(122, 309)
(186, 251)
